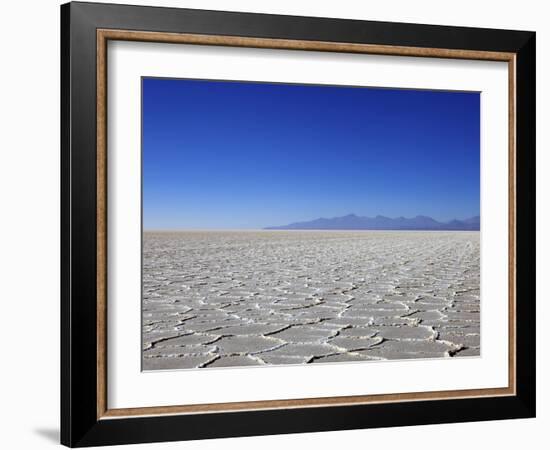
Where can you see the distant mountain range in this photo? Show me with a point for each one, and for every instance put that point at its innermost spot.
(353, 222)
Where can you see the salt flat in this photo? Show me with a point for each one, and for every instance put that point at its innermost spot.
(246, 298)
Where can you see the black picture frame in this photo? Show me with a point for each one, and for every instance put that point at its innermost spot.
(80, 425)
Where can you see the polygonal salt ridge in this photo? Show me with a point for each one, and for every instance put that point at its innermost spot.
(305, 350)
(289, 295)
(464, 307)
(382, 286)
(291, 319)
(148, 328)
(270, 358)
(331, 308)
(396, 321)
(152, 338)
(234, 361)
(339, 286)
(320, 284)
(164, 326)
(284, 305)
(468, 351)
(418, 332)
(429, 297)
(304, 291)
(350, 321)
(400, 350)
(237, 311)
(414, 293)
(211, 313)
(159, 279)
(167, 299)
(393, 306)
(399, 298)
(303, 334)
(324, 324)
(251, 329)
(467, 291)
(314, 313)
(239, 294)
(151, 314)
(358, 331)
(173, 363)
(466, 298)
(254, 316)
(421, 292)
(223, 283)
(336, 297)
(422, 306)
(471, 328)
(367, 315)
(460, 340)
(353, 343)
(341, 357)
(189, 339)
(461, 316)
(183, 351)
(160, 315)
(187, 298)
(209, 326)
(215, 302)
(247, 345)
(336, 306)
(428, 315)
(254, 289)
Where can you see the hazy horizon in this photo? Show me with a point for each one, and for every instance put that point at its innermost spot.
(223, 155)
(268, 229)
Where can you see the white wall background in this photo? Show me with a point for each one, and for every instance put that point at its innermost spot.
(29, 224)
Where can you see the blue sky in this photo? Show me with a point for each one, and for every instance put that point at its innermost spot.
(229, 155)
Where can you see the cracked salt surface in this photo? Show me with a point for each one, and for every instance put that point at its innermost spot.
(251, 298)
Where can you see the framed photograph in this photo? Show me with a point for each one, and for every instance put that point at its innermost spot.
(276, 224)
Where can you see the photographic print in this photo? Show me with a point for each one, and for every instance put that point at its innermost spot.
(302, 224)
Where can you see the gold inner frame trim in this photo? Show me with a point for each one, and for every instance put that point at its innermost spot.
(103, 36)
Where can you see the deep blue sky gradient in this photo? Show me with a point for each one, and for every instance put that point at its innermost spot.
(220, 154)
